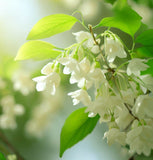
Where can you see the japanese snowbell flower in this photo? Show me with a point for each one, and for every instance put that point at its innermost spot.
(113, 48)
(81, 74)
(147, 82)
(143, 107)
(140, 138)
(103, 105)
(70, 64)
(49, 82)
(115, 135)
(89, 43)
(80, 96)
(80, 36)
(135, 66)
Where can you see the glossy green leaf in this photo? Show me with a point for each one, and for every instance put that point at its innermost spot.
(2, 156)
(37, 50)
(76, 127)
(144, 52)
(150, 69)
(146, 38)
(125, 19)
(51, 25)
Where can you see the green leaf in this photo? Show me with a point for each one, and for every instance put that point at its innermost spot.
(146, 38)
(110, 1)
(125, 19)
(76, 127)
(144, 52)
(150, 69)
(51, 25)
(2, 156)
(37, 50)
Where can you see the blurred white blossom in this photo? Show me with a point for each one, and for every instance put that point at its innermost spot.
(22, 82)
(9, 112)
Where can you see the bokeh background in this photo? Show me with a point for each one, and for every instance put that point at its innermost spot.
(16, 20)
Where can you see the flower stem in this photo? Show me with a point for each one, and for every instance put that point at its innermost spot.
(10, 146)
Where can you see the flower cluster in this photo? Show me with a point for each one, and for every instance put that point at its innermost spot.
(10, 110)
(110, 84)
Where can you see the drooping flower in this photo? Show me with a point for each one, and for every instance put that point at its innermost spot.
(114, 48)
(135, 66)
(140, 138)
(80, 96)
(88, 41)
(49, 82)
(115, 135)
(143, 106)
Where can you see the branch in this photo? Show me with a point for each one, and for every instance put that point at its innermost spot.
(10, 146)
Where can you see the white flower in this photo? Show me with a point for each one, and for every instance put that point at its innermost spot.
(143, 106)
(80, 96)
(147, 82)
(7, 122)
(95, 49)
(135, 66)
(122, 117)
(140, 138)
(70, 64)
(47, 69)
(113, 48)
(22, 82)
(104, 105)
(89, 41)
(80, 36)
(9, 111)
(115, 135)
(97, 76)
(80, 71)
(48, 83)
(10, 108)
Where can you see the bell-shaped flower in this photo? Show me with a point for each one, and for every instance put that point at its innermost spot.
(113, 49)
(143, 107)
(135, 66)
(88, 41)
(115, 135)
(70, 64)
(122, 117)
(50, 81)
(80, 96)
(140, 139)
(147, 82)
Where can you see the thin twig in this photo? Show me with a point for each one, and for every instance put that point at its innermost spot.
(11, 147)
(126, 105)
